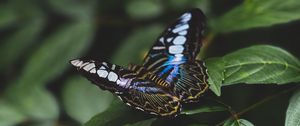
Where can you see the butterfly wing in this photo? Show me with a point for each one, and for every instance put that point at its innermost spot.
(172, 57)
(179, 43)
(192, 82)
(139, 93)
(153, 100)
(105, 75)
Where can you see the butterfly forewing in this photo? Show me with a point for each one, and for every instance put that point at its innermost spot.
(130, 86)
(105, 75)
(179, 43)
(172, 57)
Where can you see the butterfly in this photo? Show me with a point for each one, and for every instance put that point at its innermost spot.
(169, 76)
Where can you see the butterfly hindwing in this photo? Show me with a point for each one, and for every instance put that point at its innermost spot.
(152, 100)
(192, 82)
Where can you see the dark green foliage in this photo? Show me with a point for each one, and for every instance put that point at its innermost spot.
(239, 122)
(254, 65)
(79, 93)
(38, 38)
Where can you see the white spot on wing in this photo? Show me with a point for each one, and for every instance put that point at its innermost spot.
(89, 67)
(178, 57)
(113, 67)
(153, 113)
(120, 98)
(175, 49)
(102, 73)
(112, 76)
(93, 70)
(180, 28)
(104, 63)
(76, 62)
(186, 15)
(119, 92)
(102, 68)
(180, 24)
(169, 39)
(121, 83)
(179, 40)
(84, 64)
(158, 47)
(183, 32)
(139, 108)
(161, 40)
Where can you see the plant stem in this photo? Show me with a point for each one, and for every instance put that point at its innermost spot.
(229, 109)
(266, 99)
(206, 42)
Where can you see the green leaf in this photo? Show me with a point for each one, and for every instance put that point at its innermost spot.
(83, 100)
(262, 64)
(20, 41)
(216, 74)
(244, 122)
(117, 114)
(137, 45)
(239, 122)
(56, 51)
(178, 3)
(136, 9)
(51, 59)
(115, 111)
(257, 13)
(8, 16)
(198, 125)
(206, 106)
(44, 123)
(293, 112)
(36, 103)
(75, 9)
(147, 122)
(9, 115)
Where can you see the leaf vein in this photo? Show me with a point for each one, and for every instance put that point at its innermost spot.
(276, 63)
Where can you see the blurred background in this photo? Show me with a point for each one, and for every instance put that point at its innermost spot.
(38, 38)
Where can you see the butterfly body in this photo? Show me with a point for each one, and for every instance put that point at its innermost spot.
(170, 74)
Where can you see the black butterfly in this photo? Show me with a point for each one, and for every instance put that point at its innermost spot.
(169, 75)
